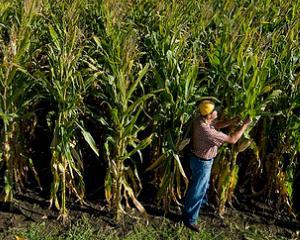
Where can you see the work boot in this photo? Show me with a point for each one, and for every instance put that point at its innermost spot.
(193, 226)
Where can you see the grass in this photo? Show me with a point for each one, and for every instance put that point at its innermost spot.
(160, 228)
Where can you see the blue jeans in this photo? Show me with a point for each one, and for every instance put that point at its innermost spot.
(197, 189)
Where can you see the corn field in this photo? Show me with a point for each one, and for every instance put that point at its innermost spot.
(121, 80)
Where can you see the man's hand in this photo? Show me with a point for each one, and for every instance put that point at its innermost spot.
(247, 121)
(235, 120)
(234, 137)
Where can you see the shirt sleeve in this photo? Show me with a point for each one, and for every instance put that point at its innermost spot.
(217, 138)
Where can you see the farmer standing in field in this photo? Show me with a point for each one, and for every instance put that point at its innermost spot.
(205, 143)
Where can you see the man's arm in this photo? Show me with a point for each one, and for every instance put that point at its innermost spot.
(226, 123)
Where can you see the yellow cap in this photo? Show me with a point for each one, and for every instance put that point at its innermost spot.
(206, 107)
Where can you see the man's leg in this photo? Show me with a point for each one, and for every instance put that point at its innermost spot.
(205, 198)
(197, 188)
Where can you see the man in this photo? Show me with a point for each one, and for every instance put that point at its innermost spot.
(205, 143)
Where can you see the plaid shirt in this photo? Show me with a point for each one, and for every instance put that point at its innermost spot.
(206, 139)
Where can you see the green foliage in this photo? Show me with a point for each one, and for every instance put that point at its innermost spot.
(16, 87)
(86, 229)
(246, 69)
(66, 85)
(175, 65)
(119, 78)
(139, 68)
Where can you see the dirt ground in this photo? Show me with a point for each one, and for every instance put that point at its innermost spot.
(29, 208)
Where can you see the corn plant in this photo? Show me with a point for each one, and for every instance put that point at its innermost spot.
(66, 86)
(120, 81)
(251, 64)
(280, 160)
(145, 64)
(277, 169)
(175, 66)
(16, 88)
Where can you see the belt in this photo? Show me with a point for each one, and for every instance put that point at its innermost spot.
(200, 158)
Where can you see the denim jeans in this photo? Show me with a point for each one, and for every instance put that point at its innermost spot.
(197, 189)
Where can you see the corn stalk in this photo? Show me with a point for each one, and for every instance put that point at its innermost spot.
(16, 88)
(250, 61)
(66, 86)
(280, 160)
(120, 79)
(174, 47)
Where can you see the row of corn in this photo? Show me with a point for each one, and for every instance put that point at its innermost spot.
(138, 69)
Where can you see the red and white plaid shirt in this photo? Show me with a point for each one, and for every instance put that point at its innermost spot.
(205, 139)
